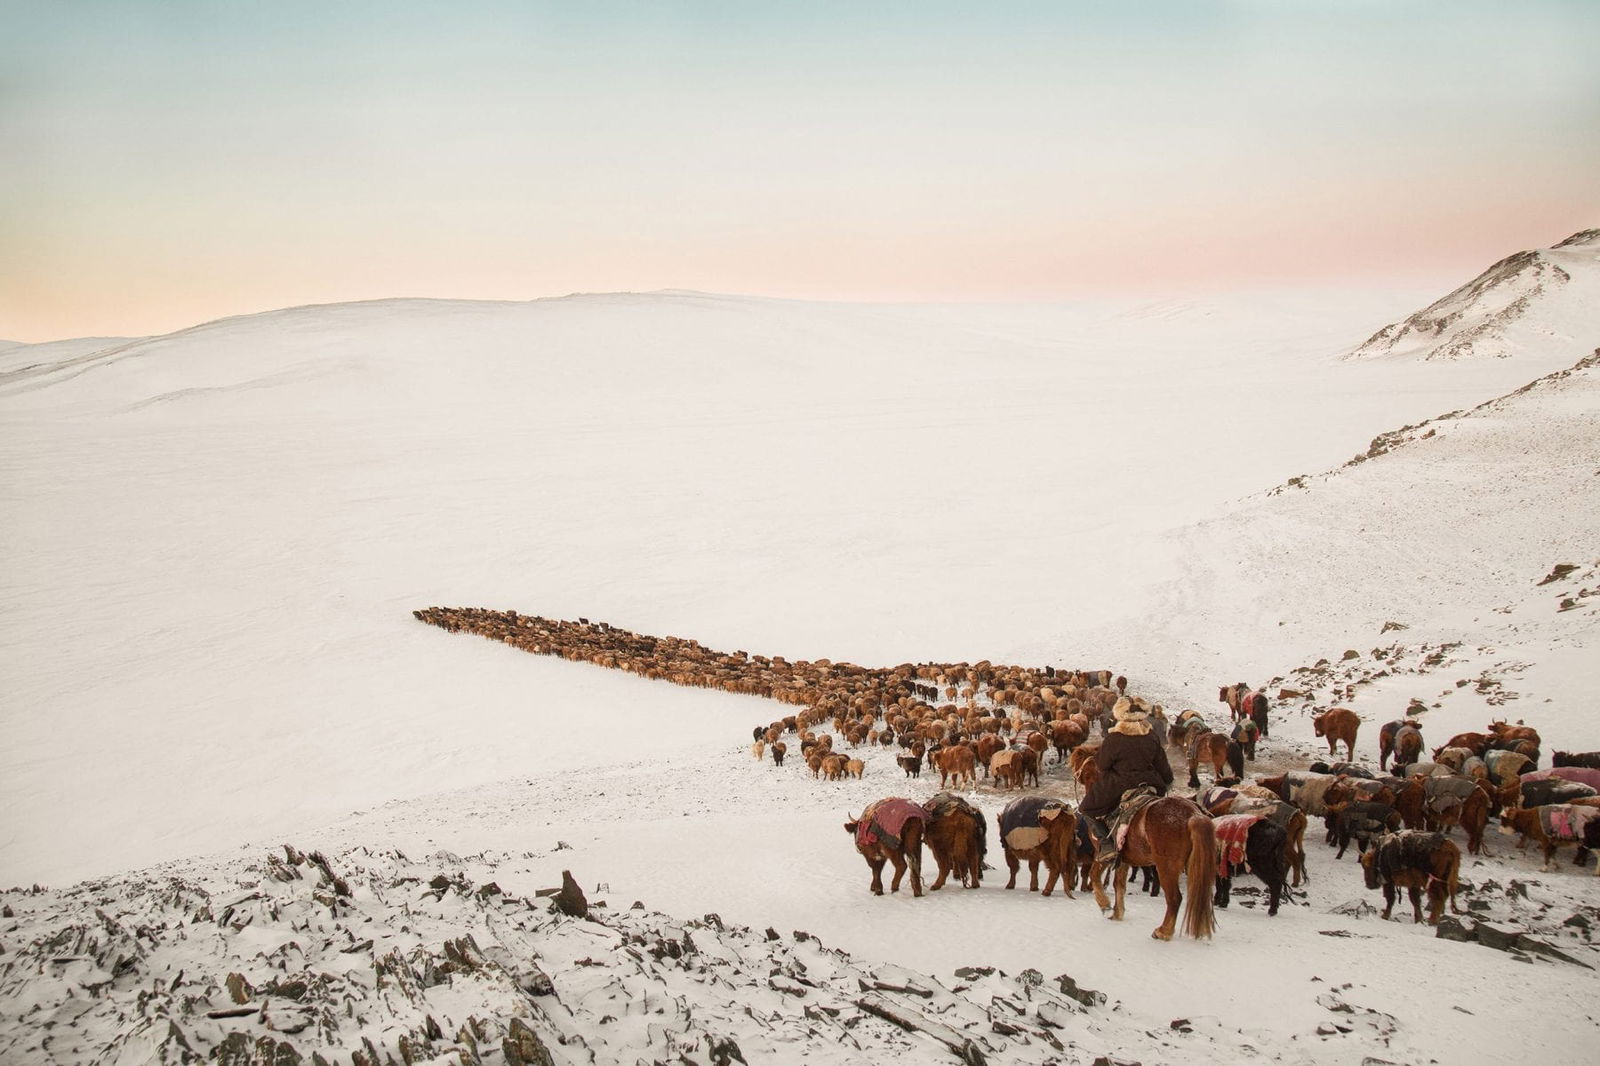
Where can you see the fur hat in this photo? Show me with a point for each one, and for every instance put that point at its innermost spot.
(1124, 710)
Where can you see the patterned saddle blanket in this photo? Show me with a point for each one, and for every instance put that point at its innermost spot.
(886, 821)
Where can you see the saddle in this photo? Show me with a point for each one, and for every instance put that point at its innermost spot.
(1133, 801)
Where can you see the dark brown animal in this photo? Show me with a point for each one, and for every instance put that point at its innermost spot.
(1178, 839)
(1034, 829)
(957, 834)
(1590, 759)
(1415, 861)
(1065, 736)
(1224, 756)
(1386, 737)
(1338, 724)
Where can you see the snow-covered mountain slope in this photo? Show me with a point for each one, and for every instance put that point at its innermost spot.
(1448, 532)
(1515, 308)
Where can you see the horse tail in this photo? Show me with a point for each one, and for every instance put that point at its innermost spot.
(1198, 918)
(911, 846)
(1236, 759)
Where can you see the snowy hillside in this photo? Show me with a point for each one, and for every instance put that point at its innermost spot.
(1516, 307)
(216, 540)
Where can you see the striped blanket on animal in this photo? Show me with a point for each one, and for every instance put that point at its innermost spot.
(1446, 793)
(1215, 795)
(1563, 821)
(1307, 790)
(886, 820)
(1020, 822)
(1232, 832)
(942, 803)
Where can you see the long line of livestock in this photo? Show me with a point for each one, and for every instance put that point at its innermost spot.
(964, 720)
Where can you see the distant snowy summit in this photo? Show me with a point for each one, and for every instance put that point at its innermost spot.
(1543, 292)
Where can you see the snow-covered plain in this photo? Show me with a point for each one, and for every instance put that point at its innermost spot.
(214, 540)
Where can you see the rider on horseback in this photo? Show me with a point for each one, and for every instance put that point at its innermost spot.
(1129, 756)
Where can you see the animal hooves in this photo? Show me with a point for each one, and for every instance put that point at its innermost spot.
(1161, 934)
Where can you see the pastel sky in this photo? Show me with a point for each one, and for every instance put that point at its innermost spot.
(166, 162)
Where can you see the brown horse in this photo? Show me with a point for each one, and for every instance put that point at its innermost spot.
(957, 834)
(1176, 837)
(890, 831)
(1338, 724)
(1218, 752)
(1084, 769)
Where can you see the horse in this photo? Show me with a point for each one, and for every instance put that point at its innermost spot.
(1182, 730)
(1263, 845)
(890, 831)
(1338, 724)
(1414, 860)
(1176, 837)
(957, 834)
(1245, 734)
(1084, 769)
(1217, 751)
(1034, 829)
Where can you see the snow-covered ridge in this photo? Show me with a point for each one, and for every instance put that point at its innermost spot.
(1477, 319)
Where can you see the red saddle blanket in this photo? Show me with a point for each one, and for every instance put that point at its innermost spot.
(1232, 832)
(886, 820)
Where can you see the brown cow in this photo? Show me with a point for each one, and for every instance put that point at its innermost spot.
(1338, 724)
(1415, 861)
(1035, 829)
(1006, 769)
(955, 763)
(890, 831)
(957, 834)
(1582, 828)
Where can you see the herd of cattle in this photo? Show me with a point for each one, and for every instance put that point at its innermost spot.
(971, 720)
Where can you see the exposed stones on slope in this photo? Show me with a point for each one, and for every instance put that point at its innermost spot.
(414, 963)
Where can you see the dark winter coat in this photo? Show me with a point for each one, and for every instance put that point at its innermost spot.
(1127, 758)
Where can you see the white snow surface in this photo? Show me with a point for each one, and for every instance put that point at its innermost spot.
(214, 540)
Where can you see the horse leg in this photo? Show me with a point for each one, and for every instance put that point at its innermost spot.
(1096, 877)
(914, 856)
(1121, 879)
(1224, 884)
(1168, 870)
(944, 871)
